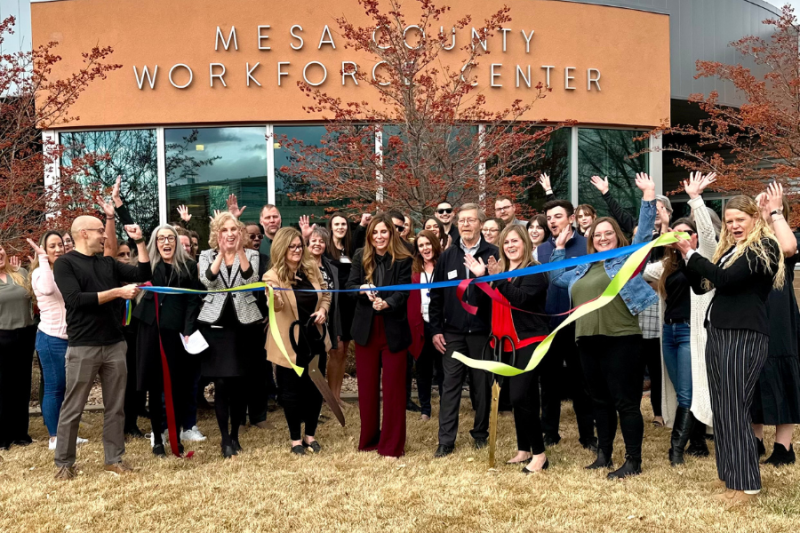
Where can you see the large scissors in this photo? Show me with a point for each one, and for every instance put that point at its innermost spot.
(316, 349)
(495, 346)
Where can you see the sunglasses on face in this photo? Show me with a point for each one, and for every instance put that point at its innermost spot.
(400, 228)
(254, 237)
(446, 211)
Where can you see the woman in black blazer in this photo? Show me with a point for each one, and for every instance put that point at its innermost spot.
(172, 267)
(747, 265)
(382, 335)
(526, 329)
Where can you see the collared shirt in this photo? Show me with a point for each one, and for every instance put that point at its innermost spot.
(471, 251)
(650, 322)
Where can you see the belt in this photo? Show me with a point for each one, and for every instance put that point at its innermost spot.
(672, 321)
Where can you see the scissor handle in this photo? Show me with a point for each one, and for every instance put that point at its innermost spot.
(311, 327)
(494, 352)
(296, 340)
(513, 360)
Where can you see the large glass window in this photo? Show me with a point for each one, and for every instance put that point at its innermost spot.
(608, 153)
(205, 165)
(131, 154)
(555, 163)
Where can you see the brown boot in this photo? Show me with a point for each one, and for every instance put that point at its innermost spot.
(119, 468)
(740, 497)
(723, 497)
(66, 473)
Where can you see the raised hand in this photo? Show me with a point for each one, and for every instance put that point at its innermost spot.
(233, 206)
(477, 267)
(775, 196)
(216, 213)
(601, 184)
(365, 219)
(134, 231)
(183, 211)
(493, 266)
(683, 245)
(115, 197)
(36, 248)
(544, 181)
(15, 263)
(107, 207)
(306, 228)
(697, 183)
(647, 186)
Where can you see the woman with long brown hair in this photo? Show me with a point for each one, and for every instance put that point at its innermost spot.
(339, 249)
(382, 336)
(747, 266)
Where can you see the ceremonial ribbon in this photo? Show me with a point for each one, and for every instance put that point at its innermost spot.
(277, 336)
(631, 268)
(126, 320)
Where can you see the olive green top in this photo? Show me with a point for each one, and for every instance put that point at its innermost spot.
(613, 320)
(15, 304)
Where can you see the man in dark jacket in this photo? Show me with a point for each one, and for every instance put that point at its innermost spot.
(560, 218)
(455, 330)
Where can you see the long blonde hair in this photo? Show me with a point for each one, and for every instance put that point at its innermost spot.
(527, 255)
(397, 249)
(35, 263)
(308, 265)
(754, 241)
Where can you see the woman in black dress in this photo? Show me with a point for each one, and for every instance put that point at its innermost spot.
(229, 322)
(176, 316)
(777, 397)
(340, 251)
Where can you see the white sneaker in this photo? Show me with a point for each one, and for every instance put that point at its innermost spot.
(78, 442)
(192, 435)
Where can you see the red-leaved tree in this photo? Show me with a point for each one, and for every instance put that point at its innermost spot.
(33, 99)
(438, 140)
(750, 145)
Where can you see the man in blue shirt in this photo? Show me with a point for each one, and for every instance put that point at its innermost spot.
(560, 218)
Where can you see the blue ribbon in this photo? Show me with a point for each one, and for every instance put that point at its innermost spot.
(528, 271)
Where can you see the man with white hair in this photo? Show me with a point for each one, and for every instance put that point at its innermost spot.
(91, 287)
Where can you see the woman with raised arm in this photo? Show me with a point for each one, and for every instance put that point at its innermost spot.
(339, 251)
(777, 396)
(382, 336)
(747, 265)
(295, 267)
(528, 293)
(229, 321)
(609, 339)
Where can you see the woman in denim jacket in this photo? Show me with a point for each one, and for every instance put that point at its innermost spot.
(609, 339)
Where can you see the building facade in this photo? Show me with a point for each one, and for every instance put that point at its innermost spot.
(207, 89)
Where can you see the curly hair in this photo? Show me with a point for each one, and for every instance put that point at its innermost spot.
(216, 226)
(754, 241)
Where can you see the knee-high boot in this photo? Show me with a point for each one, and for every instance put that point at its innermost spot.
(681, 431)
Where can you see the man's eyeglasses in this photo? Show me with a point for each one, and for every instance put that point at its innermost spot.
(256, 237)
(503, 208)
(400, 229)
(465, 221)
(170, 239)
(445, 211)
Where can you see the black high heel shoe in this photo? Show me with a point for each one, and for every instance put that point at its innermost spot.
(228, 451)
(236, 446)
(545, 466)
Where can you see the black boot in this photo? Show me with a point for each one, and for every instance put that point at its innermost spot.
(697, 440)
(681, 430)
(632, 467)
(602, 461)
(761, 450)
(781, 456)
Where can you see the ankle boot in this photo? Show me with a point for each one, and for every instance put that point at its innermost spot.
(681, 430)
(761, 449)
(602, 461)
(697, 440)
(781, 456)
(632, 467)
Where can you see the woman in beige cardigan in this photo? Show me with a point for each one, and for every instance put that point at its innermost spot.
(700, 410)
(293, 267)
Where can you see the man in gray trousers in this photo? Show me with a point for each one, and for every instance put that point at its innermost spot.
(92, 288)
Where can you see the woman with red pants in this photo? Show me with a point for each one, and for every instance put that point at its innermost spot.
(382, 335)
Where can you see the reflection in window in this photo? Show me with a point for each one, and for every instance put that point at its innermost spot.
(205, 165)
(607, 153)
(131, 154)
(555, 163)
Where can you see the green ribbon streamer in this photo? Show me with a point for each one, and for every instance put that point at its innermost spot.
(275, 335)
(623, 276)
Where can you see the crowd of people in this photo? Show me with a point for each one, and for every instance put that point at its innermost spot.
(713, 318)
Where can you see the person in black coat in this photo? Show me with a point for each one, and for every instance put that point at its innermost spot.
(455, 330)
(382, 336)
(747, 266)
(174, 318)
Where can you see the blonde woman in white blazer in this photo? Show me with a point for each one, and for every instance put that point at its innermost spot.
(689, 425)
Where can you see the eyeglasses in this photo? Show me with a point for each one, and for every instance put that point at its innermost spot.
(465, 221)
(296, 247)
(491, 230)
(401, 229)
(256, 237)
(446, 211)
(607, 235)
(170, 239)
(503, 208)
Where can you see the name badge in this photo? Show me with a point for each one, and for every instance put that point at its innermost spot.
(452, 274)
(345, 260)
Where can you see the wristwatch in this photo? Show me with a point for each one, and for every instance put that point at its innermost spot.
(776, 212)
(138, 241)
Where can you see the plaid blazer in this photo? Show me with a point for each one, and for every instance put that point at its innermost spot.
(244, 302)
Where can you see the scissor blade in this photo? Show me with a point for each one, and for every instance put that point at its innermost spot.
(493, 422)
(322, 385)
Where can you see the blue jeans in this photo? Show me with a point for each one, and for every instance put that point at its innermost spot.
(676, 343)
(51, 355)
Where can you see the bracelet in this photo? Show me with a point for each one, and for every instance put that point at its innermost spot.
(110, 217)
(138, 241)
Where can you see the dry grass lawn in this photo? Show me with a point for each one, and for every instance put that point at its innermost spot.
(267, 489)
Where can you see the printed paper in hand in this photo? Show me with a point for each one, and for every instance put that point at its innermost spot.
(197, 343)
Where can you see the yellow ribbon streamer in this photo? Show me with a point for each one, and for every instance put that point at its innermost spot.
(277, 336)
(623, 276)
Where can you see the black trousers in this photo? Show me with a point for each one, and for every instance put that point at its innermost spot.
(455, 372)
(651, 349)
(257, 376)
(430, 359)
(16, 363)
(135, 399)
(613, 369)
(301, 400)
(524, 394)
(559, 382)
